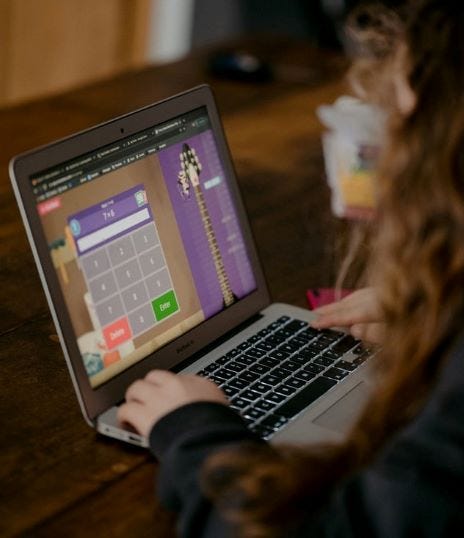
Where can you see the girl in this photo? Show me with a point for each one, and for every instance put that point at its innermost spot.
(400, 472)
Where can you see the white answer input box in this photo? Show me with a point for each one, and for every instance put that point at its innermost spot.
(95, 238)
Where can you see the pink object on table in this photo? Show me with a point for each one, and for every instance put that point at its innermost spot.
(321, 296)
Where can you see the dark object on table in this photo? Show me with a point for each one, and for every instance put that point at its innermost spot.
(236, 65)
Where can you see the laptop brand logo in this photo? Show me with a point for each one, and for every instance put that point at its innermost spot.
(184, 346)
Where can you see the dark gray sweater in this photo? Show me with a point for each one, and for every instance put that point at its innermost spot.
(415, 487)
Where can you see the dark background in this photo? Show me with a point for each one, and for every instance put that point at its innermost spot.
(320, 21)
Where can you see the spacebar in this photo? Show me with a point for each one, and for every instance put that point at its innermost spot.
(307, 396)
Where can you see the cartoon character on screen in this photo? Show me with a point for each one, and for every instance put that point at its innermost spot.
(189, 177)
(183, 183)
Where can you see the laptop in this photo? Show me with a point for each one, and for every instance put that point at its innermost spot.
(147, 261)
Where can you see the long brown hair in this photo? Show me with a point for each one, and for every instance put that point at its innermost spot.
(417, 266)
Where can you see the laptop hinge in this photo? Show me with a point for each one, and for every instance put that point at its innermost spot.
(213, 345)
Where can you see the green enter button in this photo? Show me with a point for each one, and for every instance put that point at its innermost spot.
(165, 305)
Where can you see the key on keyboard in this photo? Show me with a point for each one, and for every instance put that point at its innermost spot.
(307, 396)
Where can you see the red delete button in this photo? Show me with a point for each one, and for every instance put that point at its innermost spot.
(117, 333)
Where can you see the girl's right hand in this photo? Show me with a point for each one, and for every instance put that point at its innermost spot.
(159, 393)
(359, 312)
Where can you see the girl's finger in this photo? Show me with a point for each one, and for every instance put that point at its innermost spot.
(133, 414)
(159, 377)
(140, 391)
(370, 332)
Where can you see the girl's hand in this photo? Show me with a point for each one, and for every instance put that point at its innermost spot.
(160, 392)
(359, 312)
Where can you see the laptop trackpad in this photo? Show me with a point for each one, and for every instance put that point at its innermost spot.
(343, 413)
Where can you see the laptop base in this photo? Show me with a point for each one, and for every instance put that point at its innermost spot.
(327, 419)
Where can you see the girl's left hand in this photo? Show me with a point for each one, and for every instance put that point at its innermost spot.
(359, 312)
(160, 392)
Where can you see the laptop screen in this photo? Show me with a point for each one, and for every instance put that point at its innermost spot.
(145, 241)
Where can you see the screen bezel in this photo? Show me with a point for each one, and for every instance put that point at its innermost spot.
(96, 400)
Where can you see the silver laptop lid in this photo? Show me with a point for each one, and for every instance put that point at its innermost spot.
(141, 241)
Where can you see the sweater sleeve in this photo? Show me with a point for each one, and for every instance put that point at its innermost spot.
(182, 441)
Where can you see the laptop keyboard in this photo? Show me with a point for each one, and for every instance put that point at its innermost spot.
(271, 377)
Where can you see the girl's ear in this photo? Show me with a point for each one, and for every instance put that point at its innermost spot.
(405, 97)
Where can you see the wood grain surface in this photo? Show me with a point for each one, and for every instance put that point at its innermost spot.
(58, 478)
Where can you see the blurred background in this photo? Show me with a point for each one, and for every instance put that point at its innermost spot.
(48, 46)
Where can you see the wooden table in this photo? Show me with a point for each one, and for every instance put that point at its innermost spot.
(58, 478)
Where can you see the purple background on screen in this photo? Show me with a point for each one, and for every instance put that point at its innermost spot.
(223, 218)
